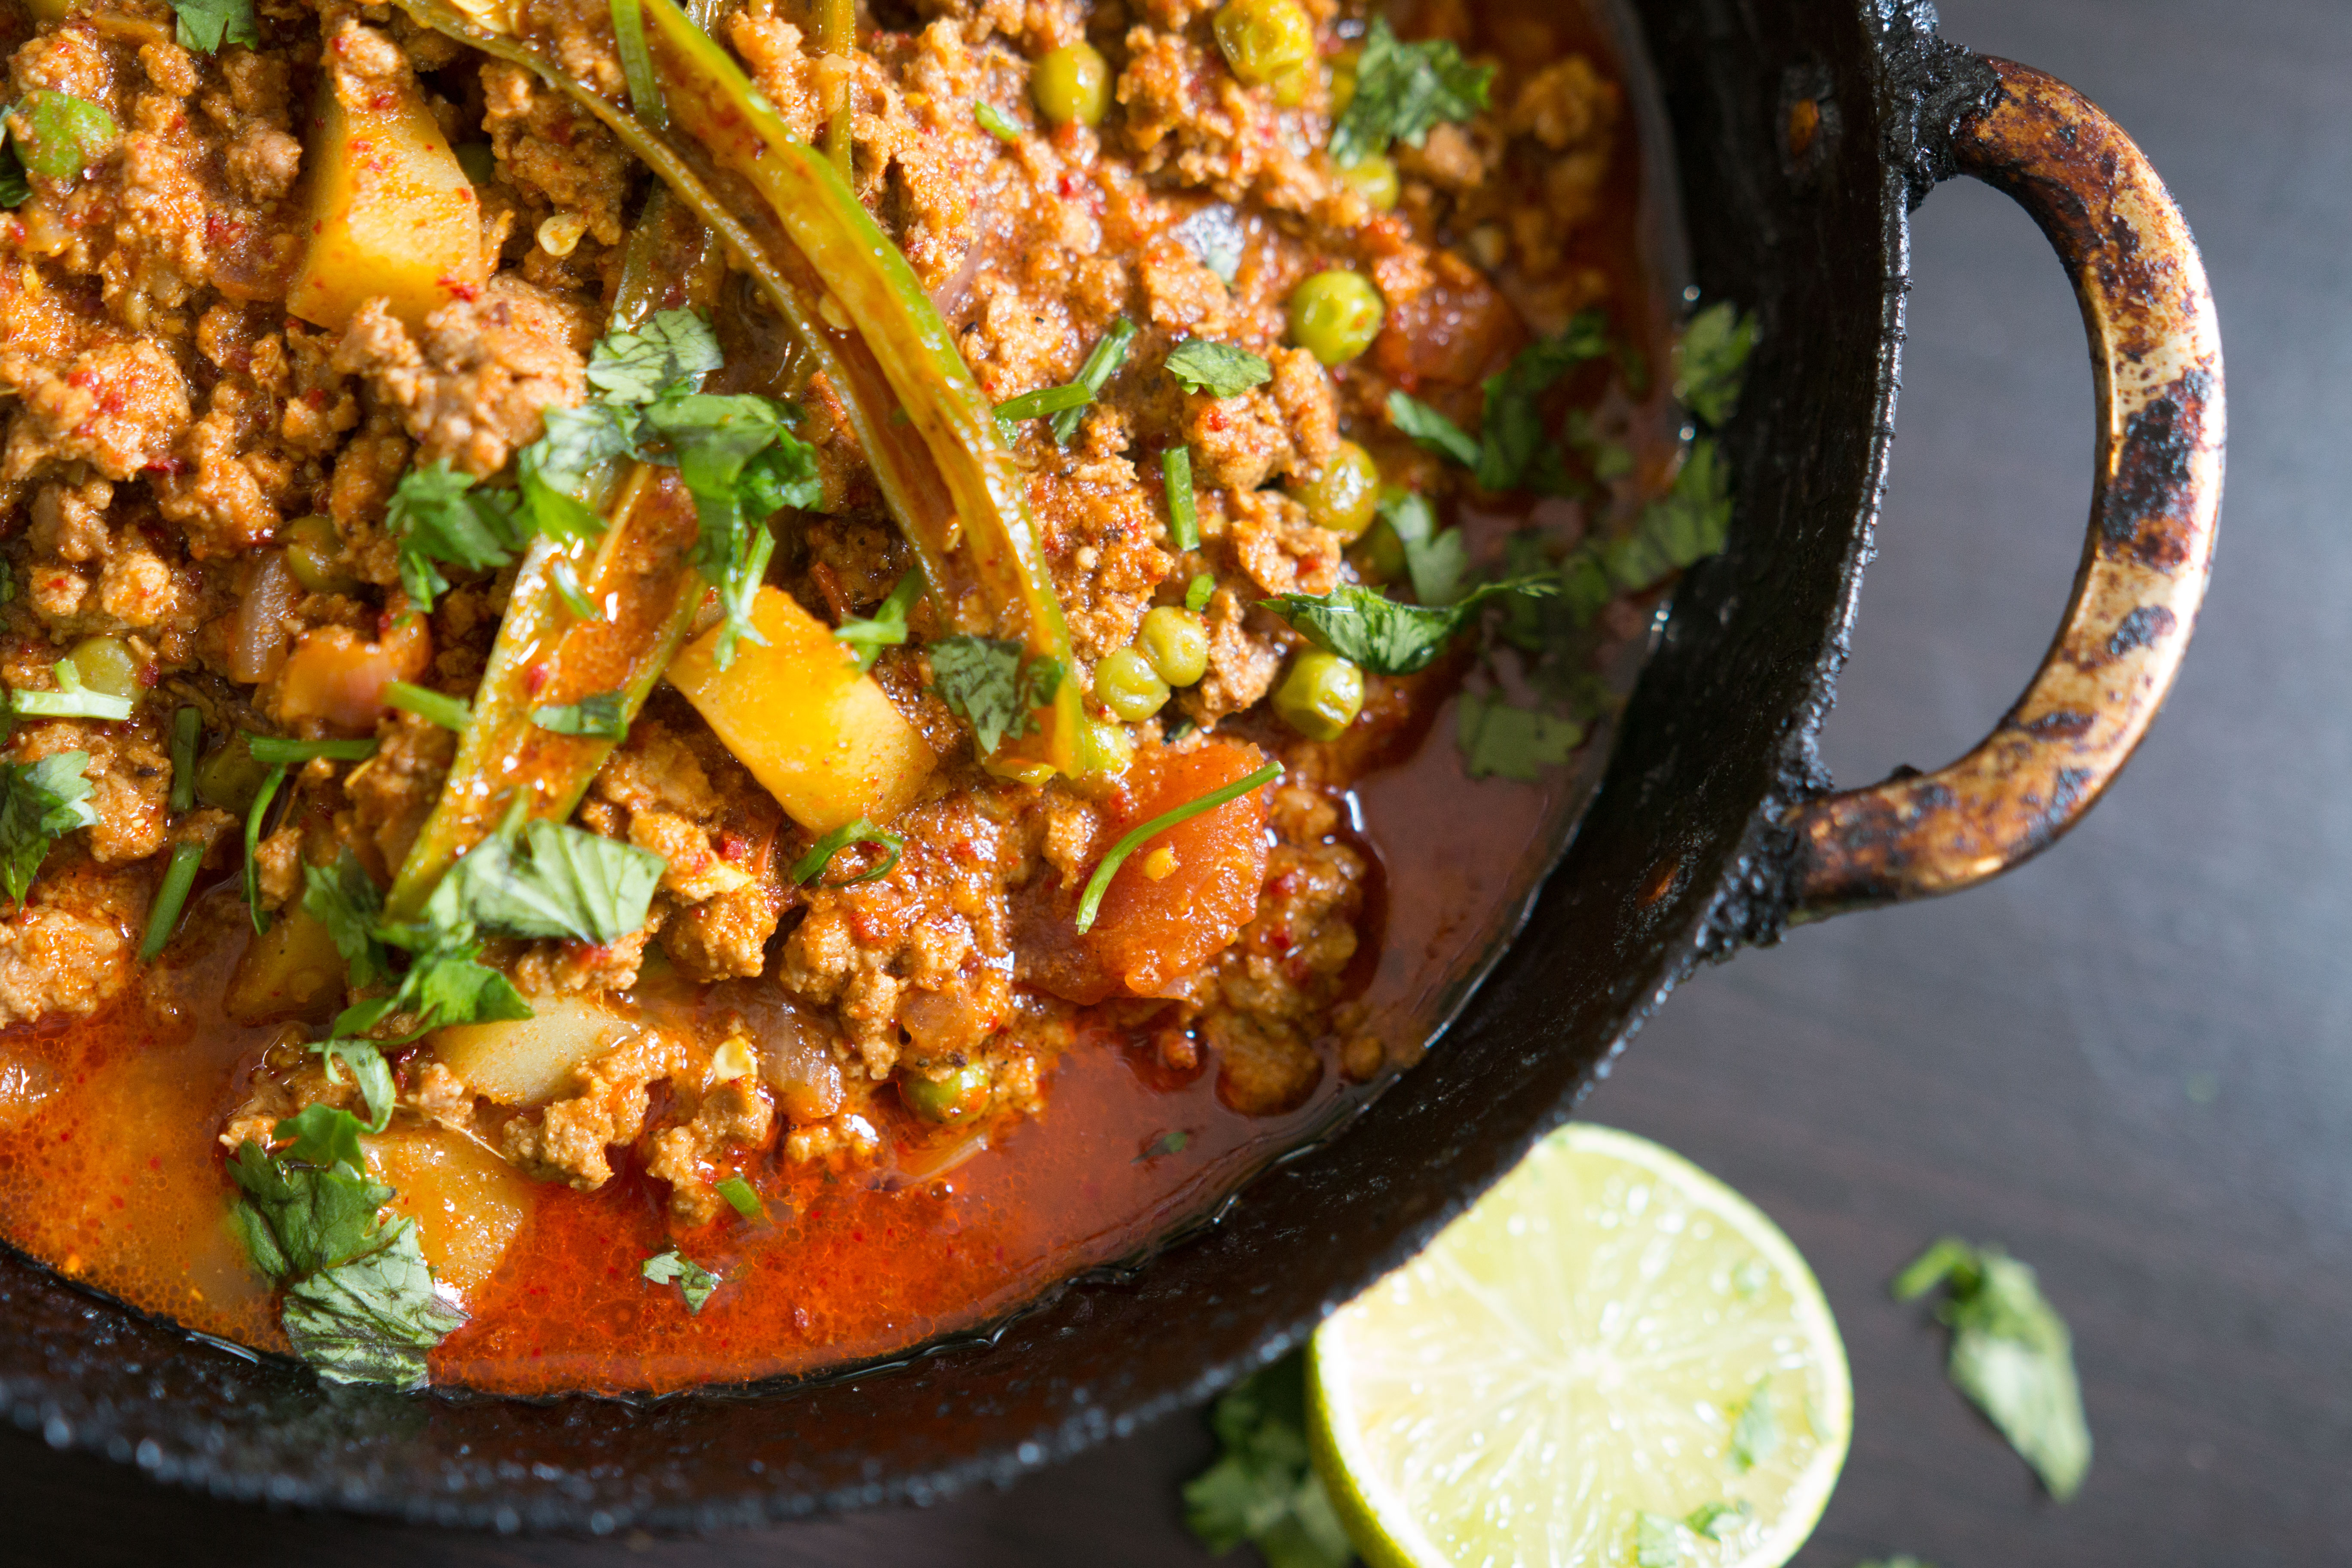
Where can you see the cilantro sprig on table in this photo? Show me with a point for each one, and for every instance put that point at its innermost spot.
(1263, 1487)
(1403, 90)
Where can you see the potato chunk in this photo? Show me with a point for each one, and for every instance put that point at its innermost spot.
(391, 214)
(530, 1061)
(819, 734)
(467, 1202)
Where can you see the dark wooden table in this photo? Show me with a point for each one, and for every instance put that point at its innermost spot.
(2130, 1061)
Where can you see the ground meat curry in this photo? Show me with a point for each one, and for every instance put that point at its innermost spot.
(696, 694)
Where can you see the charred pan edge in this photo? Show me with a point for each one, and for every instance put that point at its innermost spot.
(2157, 357)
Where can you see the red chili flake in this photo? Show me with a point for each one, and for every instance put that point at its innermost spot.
(1213, 417)
(466, 291)
(1279, 886)
(732, 846)
(316, 397)
(361, 147)
(167, 467)
(1070, 184)
(384, 100)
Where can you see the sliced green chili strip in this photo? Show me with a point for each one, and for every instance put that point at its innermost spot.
(171, 895)
(1100, 883)
(433, 706)
(188, 733)
(281, 751)
(740, 1197)
(637, 64)
(254, 817)
(811, 866)
(1176, 473)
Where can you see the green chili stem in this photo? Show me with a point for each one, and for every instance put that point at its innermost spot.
(433, 706)
(279, 751)
(253, 819)
(187, 732)
(171, 895)
(1100, 883)
(1176, 473)
(637, 64)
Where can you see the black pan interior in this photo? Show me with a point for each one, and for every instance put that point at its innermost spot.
(1676, 861)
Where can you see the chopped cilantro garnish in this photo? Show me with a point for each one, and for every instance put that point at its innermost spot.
(1655, 1542)
(2010, 1354)
(1091, 901)
(1680, 528)
(1717, 1520)
(1512, 450)
(278, 750)
(987, 683)
(1264, 1487)
(1369, 630)
(1199, 592)
(365, 1061)
(433, 706)
(811, 866)
(1434, 559)
(666, 357)
(360, 1303)
(995, 121)
(440, 516)
(887, 626)
(204, 25)
(1711, 361)
(1499, 740)
(1431, 429)
(601, 716)
(1176, 477)
(71, 699)
(1402, 91)
(344, 899)
(693, 1281)
(1220, 370)
(740, 1197)
(742, 463)
(1167, 1143)
(547, 879)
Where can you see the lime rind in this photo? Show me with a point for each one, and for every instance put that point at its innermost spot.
(1574, 1369)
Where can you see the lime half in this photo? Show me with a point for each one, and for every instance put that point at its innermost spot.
(1612, 1359)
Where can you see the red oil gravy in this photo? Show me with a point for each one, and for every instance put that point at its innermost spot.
(111, 1172)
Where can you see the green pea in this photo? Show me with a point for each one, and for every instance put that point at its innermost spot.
(1071, 83)
(1295, 85)
(1335, 314)
(1128, 687)
(57, 135)
(1343, 78)
(1176, 641)
(962, 1094)
(1321, 695)
(1264, 38)
(1106, 747)
(229, 778)
(1343, 493)
(105, 664)
(1374, 179)
(312, 548)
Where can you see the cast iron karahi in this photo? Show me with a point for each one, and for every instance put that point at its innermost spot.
(1803, 134)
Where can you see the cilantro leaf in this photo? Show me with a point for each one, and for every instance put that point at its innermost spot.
(1263, 1487)
(1220, 370)
(39, 804)
(440, 516)
(1431, 429)
(1711, 361)
(368, 1067)
(2010, 1354)
(1402, 91)
(1435, 560)
(741, 462)
(693, 1281)
(565, 882)
(1717, 1520)
(601, 716)
(360, 1305)
(666, 357)
(204, 25)
(571, 444)
(343, 898)
(986, 682)
(1368, 628)
(887, 627)
(1499, 740)
(1757, 1432)
(1681, 528)
(1511, 431)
